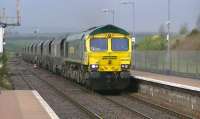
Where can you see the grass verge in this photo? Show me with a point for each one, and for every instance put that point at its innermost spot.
(4, 82)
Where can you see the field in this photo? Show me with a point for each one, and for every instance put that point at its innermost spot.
(16, 43)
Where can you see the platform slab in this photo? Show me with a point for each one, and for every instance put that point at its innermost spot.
(24, 104)
(180, 82)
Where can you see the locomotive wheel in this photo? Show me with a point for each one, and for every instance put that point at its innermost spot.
(81, 77)
(87, 81)
(63, 72)
(78, 77)
(68, 73)
(73, 75)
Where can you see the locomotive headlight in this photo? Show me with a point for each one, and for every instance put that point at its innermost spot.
(124, 66)
(94, 66)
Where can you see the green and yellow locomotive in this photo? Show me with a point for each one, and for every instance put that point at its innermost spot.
(99, 57)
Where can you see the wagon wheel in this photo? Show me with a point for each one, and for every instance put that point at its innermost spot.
(81, 78)
(76, 76)
(87, 81)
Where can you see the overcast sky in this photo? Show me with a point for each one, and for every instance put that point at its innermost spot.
(76, 15)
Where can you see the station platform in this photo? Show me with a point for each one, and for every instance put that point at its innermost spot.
(21, 104)
(174, 81)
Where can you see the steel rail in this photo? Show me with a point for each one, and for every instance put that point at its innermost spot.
(131, 110)
(26, 81)
(159, 107)
(110, 100)
(91, 114)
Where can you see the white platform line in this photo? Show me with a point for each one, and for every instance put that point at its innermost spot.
(168, 83)
(44, 104)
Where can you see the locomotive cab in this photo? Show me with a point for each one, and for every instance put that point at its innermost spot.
(110, 53)
(109, 58)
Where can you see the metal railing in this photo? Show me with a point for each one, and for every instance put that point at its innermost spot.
(182, 63)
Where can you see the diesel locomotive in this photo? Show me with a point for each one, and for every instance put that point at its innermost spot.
(99, 58)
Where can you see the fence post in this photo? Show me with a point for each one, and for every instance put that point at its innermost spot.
(178, 62)
(187, 67)
(196, 69)
(163, 67)
(197, 64)
(145, 60)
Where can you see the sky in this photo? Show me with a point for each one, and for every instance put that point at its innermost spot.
(78, 15)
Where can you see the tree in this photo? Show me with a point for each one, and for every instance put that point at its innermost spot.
(155, 42)
(198, 23)
(183, 29)
(162, 31)
(3, 62)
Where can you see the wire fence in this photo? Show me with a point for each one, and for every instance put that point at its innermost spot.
(182, 63)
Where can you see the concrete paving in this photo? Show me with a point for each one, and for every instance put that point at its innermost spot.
(21, 104)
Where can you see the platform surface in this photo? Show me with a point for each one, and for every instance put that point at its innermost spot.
(21, 104)
(180, 82)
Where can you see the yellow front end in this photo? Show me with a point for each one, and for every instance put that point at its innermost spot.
(111, 58)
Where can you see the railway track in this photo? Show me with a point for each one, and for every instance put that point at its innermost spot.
(138, 113)
(91, 114)
(162, 109)
(30, 81)
(130, 109)
(26, 81)
(146, 108)
(17, 80)
(118, 106)
(96, 114)
(159, 107)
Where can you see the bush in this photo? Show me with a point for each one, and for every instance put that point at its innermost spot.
(155, 42)
(3, 61)
(194, 32)
(4, 72)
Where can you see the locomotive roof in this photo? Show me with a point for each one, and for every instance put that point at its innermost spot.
(96, 30)
(106, 29)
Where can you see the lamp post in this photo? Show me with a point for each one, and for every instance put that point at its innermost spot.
(112, 12)
(2, 30)
(168, 36)
(132, 3)
(5, 23)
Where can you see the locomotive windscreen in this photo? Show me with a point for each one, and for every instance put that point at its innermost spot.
(120, 44)
(98, 44)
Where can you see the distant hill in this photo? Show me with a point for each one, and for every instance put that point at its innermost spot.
(15, 42)
(43, 36)
(190, 42)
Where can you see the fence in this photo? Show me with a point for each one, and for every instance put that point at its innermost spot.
(182, 63)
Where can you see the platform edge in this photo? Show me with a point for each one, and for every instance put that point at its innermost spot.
(168, 83)
(44, 104)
